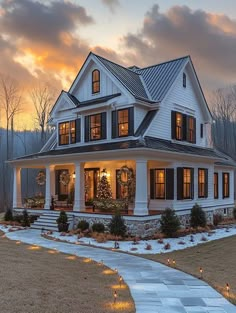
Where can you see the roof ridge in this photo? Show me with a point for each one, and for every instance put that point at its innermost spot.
(143, 68)
(126, 68)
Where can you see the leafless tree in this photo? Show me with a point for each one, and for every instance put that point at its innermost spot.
(42, 97)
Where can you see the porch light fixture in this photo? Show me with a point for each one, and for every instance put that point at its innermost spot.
(104, 172)
(74, 175)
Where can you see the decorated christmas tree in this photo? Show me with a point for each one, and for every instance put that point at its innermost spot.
(104, 188)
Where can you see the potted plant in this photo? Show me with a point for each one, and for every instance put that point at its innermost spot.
(62, 222)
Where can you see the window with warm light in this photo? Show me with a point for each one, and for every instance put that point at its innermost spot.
(95, 127)
(67, 133)
(191, 129)
(216, 186)
(225, 185)
(179, 126)
(95, 81)
(123, 122)
(187, 183)
(202, 183)
(160, 184)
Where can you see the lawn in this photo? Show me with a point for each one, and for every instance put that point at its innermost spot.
(38, 280)
(217, 259)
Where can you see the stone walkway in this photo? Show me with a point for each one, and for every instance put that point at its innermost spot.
(155, 288)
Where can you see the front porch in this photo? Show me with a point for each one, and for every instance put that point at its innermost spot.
(76, 186)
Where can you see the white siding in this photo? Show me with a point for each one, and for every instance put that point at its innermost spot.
(183, 100)
(139, 114)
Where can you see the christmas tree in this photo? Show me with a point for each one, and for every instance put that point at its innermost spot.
(104, 188)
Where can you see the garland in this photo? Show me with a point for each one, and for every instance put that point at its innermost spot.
(65, 178)
(130, 176)
(40, 178)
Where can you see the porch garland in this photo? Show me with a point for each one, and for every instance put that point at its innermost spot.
(130, 176)
(65, 178)
(40, 178)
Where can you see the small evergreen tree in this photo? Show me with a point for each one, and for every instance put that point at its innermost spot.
(169, 222)
(8, 215)
(197, 216)
(104, 189)
(117, 225)
(25, 219)
(83, 225)
(62, 219)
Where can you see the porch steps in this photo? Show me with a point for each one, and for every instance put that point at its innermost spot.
(48, 221)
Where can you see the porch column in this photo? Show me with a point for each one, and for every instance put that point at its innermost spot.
(141, 194)
(17, 202)
(79, 201)
(48, 187)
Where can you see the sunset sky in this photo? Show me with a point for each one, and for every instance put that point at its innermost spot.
(47, 41)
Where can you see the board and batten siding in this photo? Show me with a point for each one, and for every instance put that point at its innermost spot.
(183, 100)
(84, 89)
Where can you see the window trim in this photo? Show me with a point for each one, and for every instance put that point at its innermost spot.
(227, 194)
(96, 81)
(70, 133)
(216, 186)
(202, 186)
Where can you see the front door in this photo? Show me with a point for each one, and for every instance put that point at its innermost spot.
(91, 183)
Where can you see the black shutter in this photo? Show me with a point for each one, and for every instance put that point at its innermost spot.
(170, 184)
(77, 130)
(194, 130)
(114, 126)
(131, 121)
(206, 183)
(104, 125)
(173, 124)
(185, 127)
(152, 184)
(118, 187)
(180, 183)
(57, 182)
(192, 183)
(86, 128)
(201, 130)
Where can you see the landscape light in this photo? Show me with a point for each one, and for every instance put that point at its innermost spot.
(201, 271)
(228, 288)
(120, 280)
(115, 296)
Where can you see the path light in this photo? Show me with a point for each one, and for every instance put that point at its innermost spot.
(120, 280)
(228, 289)
(168, 261)
(115, 296)
(115, 270)
(201, 271)
(174, 263)
(18, 242)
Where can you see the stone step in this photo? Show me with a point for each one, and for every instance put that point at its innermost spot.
(48, 221)
(53, 228)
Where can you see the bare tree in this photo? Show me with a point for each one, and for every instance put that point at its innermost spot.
(42, 97)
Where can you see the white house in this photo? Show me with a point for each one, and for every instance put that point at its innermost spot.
(152, 123)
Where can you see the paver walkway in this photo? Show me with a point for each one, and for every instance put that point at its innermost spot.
(155, 288)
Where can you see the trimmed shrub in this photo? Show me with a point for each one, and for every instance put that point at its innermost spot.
(83, 225)
(234, 213)
(117, 225)
(62, 219)
(169, 222)
(197, 216)
(8, 215)
(217, 218)
(98, 227)
(25, 219)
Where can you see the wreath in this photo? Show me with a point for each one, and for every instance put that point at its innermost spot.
(40, 178)
(128, 172)
(65, 178)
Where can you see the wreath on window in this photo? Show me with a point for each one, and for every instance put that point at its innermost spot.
(65, 178)
(128, 172)
(40, 178)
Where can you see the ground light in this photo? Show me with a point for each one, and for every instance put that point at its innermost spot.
(201, 272)
(228, 289)
(120, 280)
(115, 296)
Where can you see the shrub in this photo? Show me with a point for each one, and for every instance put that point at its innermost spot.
(98, 227)
(25, 219)
(169, 222)
(197, 216)
(148, 246)
(234, 213)
(62, 219)
(83, 225)
(117, 225)
(167, 246)
(217, 218)
(8, 215)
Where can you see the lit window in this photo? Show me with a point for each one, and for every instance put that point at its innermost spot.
(216, 186)
(67, 133)
(191, 129)
(202, 183)
(187, 183)
(123, 122)
(225, 182)
(179, 124)
(95, 81)
(95, 127)
(160, 184)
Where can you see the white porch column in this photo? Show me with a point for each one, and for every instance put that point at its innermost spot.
(48, 187)
(79, 201)
(141, 194)
(17, 202)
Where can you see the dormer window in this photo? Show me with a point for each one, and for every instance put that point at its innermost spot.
(95, 81)
(184, 80)
(123, 123)
(67, 133)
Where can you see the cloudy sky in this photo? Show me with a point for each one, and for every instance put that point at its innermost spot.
(47, 41)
